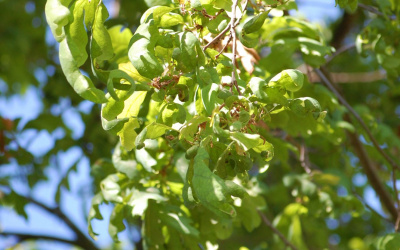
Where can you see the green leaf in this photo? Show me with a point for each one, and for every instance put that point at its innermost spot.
(110, 188)
(114, 82)
(81, 84)
(180, 223)
(128, 134)
(209, 188)
(291, 79)
(144, 158)
(305, 105)
(209, 97)
(141, 52)
(171, 19)
(57, 16)
(246, 141)
(94, 213)
(116, 221)
(151, 131)
(120, 37)
(139, 200)
(101, 45)
(128, 167)
(76, 35)
(172, 113)
(255, 23)
(389, 241)
(191, 127)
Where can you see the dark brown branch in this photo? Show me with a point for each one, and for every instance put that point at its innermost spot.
(358, 118)
(276, 231)
(372, 174)
(81, 239)
(24, 237)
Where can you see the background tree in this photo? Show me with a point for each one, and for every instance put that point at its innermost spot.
(238, 124)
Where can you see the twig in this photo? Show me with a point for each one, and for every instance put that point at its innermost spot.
(375, 11)
(226, 45)
(276, 231)
(81, 239)
(219, 36)
(23, 237)
(339, 52)
(304, 159)
(358, 118)
(233, 34)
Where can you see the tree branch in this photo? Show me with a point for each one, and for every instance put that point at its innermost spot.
(375, 11)
(276, 231)
(219, 36)
(81, 239)
(23, 237)
(233, 34)
(358, 118)
(339, 52)
(372, 175)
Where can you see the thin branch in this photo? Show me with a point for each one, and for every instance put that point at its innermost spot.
(358, 118)
(339, 52)
(81, 239)
(226, 45)
(396, 193)
(276, 231)
(372, 173)
(375, 11)
(219, 36)
(304, 161)
(369, 207)
(24, 237)
(233, 34)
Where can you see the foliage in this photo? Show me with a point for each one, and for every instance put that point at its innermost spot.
(211, 146)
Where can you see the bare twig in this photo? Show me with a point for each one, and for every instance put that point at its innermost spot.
(357, 117)
(219, 36)
(24, 237)
(304, 159)
(276, 231)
